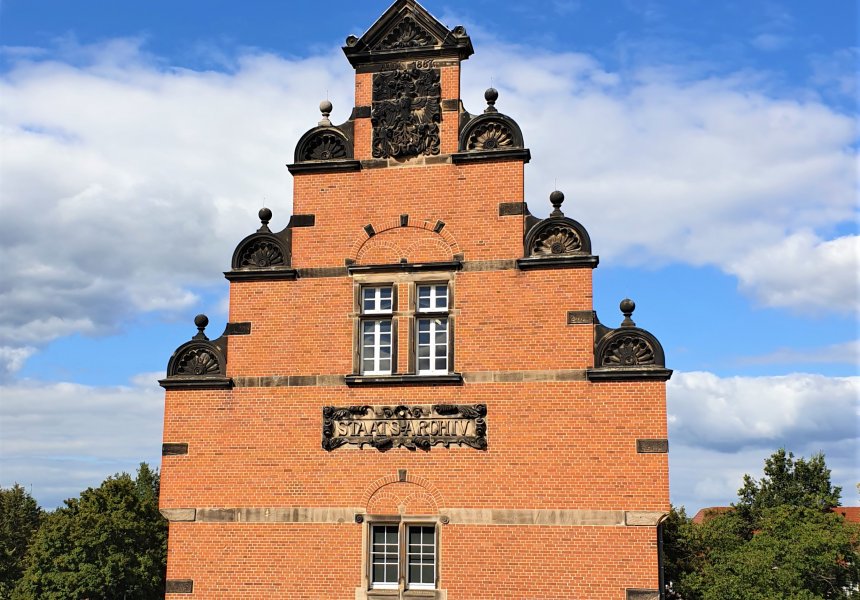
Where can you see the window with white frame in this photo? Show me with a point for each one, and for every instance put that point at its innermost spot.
(432, 326)
(398, 548)
(377, 307)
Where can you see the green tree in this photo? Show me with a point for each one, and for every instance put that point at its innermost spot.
(681, 555)
(109, 544)
(797, 553)
(782, 541)
(787, 481)
(19, 521)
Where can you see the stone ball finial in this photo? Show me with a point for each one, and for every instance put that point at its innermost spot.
(556, 198)
(627, 307)
(325, 108)
(265, 216)
(351, 40)
(201, 321)
(491, 95)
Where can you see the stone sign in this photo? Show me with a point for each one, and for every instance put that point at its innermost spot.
(416, 426)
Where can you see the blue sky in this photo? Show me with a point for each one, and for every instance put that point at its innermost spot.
(709, 147)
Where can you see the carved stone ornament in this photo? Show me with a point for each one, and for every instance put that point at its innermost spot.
(558, 239)
(415, 427)
(324, 143)
(261, 251)
(628, 350)
(489, 132)
(198, 361)
(407, 34)
(406, 113)
(325, 146)
(491, 135)
(261, 254)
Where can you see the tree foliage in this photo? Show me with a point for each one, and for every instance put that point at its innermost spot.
(109, 544)
(781, 541)
(789, 482)
(19, 521)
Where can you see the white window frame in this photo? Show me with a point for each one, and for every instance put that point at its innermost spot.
(384, 585)
(376, 346)
(377, 297)
(436, 317)
(378, 315)
(403, 555)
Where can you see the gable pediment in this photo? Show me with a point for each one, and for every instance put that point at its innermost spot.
(404, 31)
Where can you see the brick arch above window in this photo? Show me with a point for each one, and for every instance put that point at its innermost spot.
(415, 495)
(421, 242)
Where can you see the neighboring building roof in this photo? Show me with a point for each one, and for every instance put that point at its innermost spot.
(850, 513)
(709, 512)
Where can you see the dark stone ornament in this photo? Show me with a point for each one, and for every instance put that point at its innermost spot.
(261, 254)
(628, 351)
(325, 146)
(406, 113)
(414, 427)
(490, 135)
(558, 239)
(199, 363)
(407, 34)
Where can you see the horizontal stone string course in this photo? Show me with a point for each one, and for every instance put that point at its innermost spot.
(473, 377)
(451, 516)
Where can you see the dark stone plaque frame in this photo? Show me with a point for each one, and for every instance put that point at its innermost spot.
(476, 413)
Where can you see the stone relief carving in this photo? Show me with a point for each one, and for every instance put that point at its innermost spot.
(417, 427)
(199, 362)
(629, 350)
(558, 239)
(407, 34)
(406, 113)
(261, 254)
(324, 146)
(490, 135)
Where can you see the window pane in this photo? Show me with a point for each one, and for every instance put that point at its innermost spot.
(423, 364)
(423, 337)
(385, 304)
(367, 326)
(427, 574)
(367, 364)
(378, 573)
(415, 574)
(441, 337)
(391, 574)
(423, 351)
(385, 293)
(385, 326)
(441, 364)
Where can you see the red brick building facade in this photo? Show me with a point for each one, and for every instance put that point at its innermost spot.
(413, 397)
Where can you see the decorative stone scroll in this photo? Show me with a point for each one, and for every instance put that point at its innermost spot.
(415, 427)
(406, 113)
(628, 352)
(200, 362)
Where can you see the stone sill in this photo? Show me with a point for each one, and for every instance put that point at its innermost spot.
(359, 380)
(196, 383)
(324, 166)
(262, 274)
(559, 262)
(628, 374)
(522, 154)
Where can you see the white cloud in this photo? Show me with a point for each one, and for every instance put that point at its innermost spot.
(61, 438)
(723, 427)
(127, 183)
(829, 272)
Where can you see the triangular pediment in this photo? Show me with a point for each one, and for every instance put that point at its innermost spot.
(407, 30)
